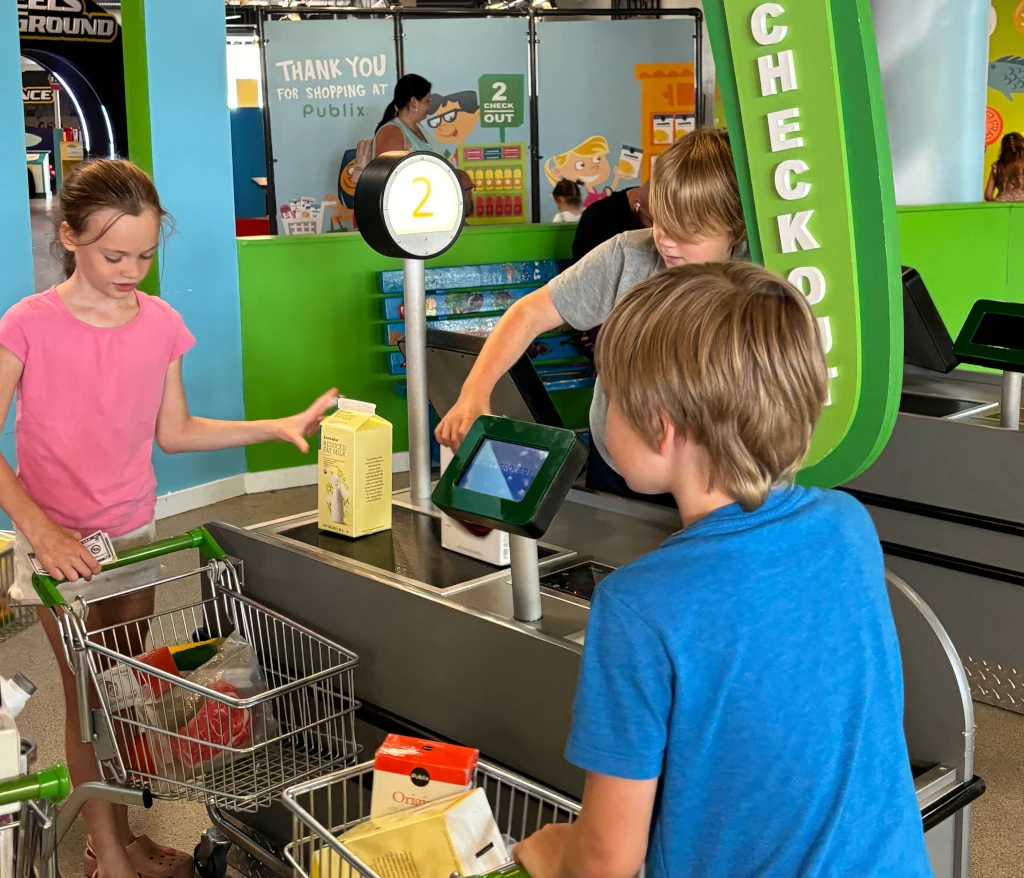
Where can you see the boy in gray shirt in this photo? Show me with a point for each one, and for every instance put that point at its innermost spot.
(698, 217)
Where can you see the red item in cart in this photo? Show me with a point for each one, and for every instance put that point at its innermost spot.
(408, 772)
(161, 659)
(216, 723)
(140, 757)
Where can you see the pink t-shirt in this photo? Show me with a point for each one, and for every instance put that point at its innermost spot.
(87, 406)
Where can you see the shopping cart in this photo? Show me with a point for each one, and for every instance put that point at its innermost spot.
(178, 739)
(324, 808)
(13, 618)
(39, 825)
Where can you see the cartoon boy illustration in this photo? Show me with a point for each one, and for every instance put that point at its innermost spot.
(452, 119)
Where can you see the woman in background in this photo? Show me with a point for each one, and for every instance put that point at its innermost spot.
(1007, 174)
(399, 129)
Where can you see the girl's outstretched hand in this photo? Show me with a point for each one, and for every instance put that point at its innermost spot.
(296, 428)
(58, 549)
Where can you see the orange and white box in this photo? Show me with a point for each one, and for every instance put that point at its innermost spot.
(408, 772)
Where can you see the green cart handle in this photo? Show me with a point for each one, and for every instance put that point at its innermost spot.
(200, 538)
(50, 783)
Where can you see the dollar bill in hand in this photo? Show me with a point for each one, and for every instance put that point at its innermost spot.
(99, 546)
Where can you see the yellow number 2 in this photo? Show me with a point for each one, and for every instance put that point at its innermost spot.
(418, 212)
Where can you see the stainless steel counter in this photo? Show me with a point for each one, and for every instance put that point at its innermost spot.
(444, 657)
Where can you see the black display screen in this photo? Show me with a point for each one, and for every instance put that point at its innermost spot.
(1000, 331)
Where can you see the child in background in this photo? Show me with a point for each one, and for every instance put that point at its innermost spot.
(697, 216)
(97, 369)
(1007, 174)
(566, 195)
(739, 709)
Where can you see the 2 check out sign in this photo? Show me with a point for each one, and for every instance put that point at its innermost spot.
(803, 97)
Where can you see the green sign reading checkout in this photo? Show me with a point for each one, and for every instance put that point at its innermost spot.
(803, 95)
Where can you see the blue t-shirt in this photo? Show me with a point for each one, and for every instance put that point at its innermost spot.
(751, 663)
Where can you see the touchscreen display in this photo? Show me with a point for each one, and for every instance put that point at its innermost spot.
(502, 469)
(1000, 331)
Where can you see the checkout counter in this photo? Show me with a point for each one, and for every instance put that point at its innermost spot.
(453, 648)
(947, 492)
(442, 654)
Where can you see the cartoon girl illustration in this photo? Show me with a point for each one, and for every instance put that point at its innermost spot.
(586, 165)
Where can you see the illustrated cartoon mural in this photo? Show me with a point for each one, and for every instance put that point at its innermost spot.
(452, 119)
(1005, 112)
(588, 166)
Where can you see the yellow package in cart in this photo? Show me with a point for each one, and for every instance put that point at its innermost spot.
(354, 472)
(456, 835)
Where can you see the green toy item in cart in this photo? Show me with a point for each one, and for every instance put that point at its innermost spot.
(514, 870)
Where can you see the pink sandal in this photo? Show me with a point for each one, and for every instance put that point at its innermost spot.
(149, 860)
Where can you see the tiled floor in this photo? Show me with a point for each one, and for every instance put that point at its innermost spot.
(998, 843)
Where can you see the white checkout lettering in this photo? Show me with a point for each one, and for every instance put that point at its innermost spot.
(779, 72)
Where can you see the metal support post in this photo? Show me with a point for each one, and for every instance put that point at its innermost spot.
(526, 606)
(416, 379)
(1009, 404)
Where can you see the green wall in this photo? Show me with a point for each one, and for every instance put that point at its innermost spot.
(311, 318)
(965, 253)
(311, 314)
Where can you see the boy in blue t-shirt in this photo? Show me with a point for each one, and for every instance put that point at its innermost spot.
(740, 701)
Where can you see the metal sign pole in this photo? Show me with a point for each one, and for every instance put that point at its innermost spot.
(416, 378)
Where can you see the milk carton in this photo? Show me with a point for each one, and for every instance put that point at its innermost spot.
(491, 547)
(354, 472)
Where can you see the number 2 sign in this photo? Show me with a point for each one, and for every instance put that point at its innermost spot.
(409, 205)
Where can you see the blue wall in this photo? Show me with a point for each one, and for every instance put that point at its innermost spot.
(192, 168)
(249, 159)
(16, 280)
(934, 58)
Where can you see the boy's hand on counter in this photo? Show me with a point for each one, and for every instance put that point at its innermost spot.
(60, 551)
(456, 424)
(541, 854)
(296, 428)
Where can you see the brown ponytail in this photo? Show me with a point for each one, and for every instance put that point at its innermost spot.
(102, 184)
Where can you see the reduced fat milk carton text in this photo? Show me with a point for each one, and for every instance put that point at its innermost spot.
(354, 471)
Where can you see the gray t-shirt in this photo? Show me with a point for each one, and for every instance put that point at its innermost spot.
(586, 293)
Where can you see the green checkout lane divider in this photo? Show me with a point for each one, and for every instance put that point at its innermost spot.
(47, 587)
(50, 783)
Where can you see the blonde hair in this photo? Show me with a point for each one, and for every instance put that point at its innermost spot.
(595, 145)
(694, 194)
(729, 354)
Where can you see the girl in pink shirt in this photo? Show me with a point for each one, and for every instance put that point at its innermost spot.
(97, 369)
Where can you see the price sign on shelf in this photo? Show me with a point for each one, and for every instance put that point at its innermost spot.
(409, 205)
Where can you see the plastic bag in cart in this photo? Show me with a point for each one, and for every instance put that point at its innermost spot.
(192, 732)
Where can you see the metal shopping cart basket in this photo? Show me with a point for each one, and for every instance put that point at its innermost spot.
(180, 739)
(12, 617)
(323, 809)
